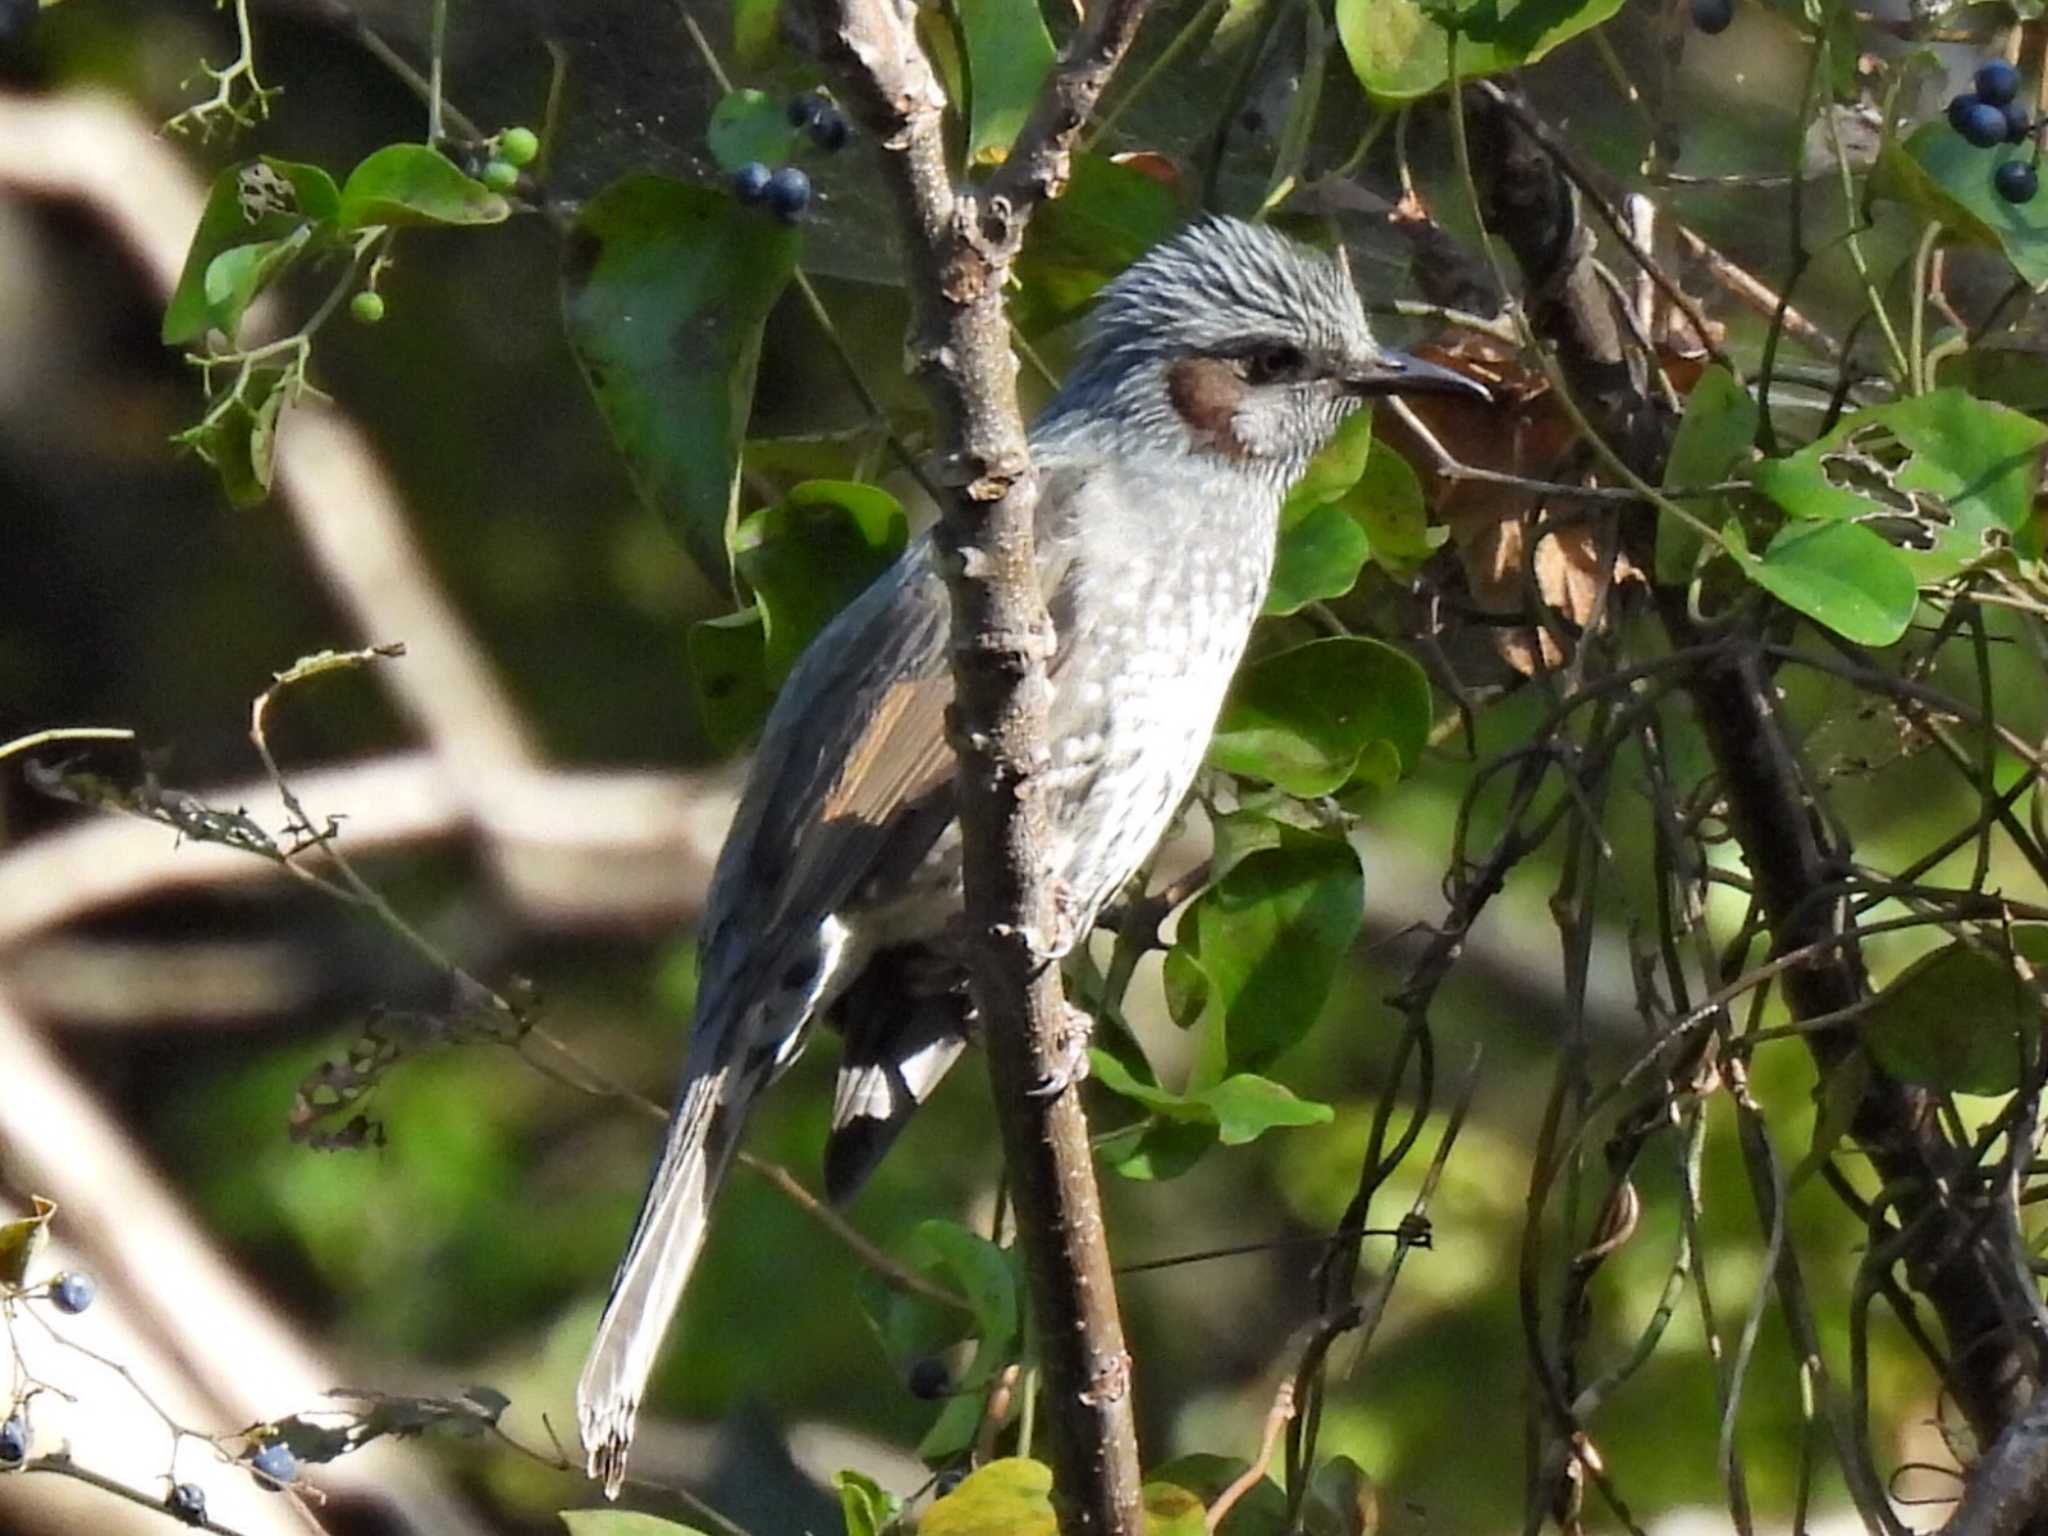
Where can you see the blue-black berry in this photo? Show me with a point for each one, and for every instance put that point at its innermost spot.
(72, 1292)
(276, 1462)
(1712, 16)
(750, 182)
(789, 193)
(1997, 82)
(2018, 124)
(928, 1378)
(804, 110)
(1958, 106)
(830, 130)
(188, 1503)
(1981, 124)
(948, 1480)
(13, 1441)
(2016, 181)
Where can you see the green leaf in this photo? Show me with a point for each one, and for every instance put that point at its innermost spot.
(252, 203)
(729, 671)
(757, 33)
(751, 125)
(1246, 1106)
(1108, 216)
(236, 277)
(1009, 1497)
(1961, 1018)
(1713, 438)
(1319, 557)
(1387, 503)
(1256, 953)
(811, 555)
(867, 1507)
(238, 438)
(1157, 1148)
(1009, 52)
(622, 1522)
(1399, 51)
(412, 184)
(22, 1240)
(666, 287)
(1172, 1511)
(1944, 179)
(1305, 719)
(1949, 478)
(1341, 1500)
(1838, 574)
(1260, 1512)
(1333, 471)
(983, 1274)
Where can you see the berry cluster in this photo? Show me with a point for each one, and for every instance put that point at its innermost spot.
(787, 192)
(1992, 115)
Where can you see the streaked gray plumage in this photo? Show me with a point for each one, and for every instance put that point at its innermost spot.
(1215, 367)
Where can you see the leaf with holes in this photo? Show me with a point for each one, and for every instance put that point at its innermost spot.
(255, 203)
(1947, 478)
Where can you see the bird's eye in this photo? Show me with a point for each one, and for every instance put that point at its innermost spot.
(1275, 362)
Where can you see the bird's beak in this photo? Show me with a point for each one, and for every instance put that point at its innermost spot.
(1396, 373)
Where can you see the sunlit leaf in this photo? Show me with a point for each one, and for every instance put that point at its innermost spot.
(1958, 1019)
(1945, 179)
(1108, 216)
(412, 184)
(1305, 718)
(1261, 1511)
(666, 287)
(866, 1506)
(21, 1241)
(811, 554)
(1008, 54)
(622, 1522)
(729, 672)
(756, 32)
(238, 275)
(1387, 503)
(1009, 1497)
(750, 125)
(1399, 51)
(1319, 557)
(1838, 574)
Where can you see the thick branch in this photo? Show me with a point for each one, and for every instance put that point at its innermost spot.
(959, 247)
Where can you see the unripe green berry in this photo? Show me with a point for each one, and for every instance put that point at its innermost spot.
(501, 175)
(366, 308)
(518, 146)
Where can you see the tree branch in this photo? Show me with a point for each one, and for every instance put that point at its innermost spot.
(959, 245)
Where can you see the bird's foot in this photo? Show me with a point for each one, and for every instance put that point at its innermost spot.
(1069, 1065)
(1055, 941)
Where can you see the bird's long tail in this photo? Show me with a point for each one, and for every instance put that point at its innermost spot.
(702, 1134)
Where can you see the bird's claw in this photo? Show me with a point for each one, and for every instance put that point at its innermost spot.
(1070, 1066)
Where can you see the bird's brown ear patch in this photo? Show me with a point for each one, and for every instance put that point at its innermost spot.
(1206, 392)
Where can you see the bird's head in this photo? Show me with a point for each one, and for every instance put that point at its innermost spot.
(1232, 342)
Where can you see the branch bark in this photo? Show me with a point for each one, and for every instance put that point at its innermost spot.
(959, 246)
(1794, 856)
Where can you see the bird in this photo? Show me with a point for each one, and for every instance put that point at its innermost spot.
(1211, 370)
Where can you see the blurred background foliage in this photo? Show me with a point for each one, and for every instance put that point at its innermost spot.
(475, 1243)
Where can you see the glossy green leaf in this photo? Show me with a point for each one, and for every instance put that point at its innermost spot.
(867, 1507)
(622, 1522)
(1319, 557)
(1256, 953)
(1714, 437)
(1399, 51)
(1944, 179)
(1387, 503)
(1333, 471)
(412, 184)
(1304, 719)
(1156, 1148)
(1838, 574)
(1947, 478)
(258, 201)
(729, 672)
(751, 125)
(811, 555)
(1241, 1108)
(1108, 216)
(1009, 52)
(666, 287)
(1008, 1497)
(1960, 1019)
(22, 1241)
(238, 275)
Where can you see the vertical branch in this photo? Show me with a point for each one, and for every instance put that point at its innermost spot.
(959, 245)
